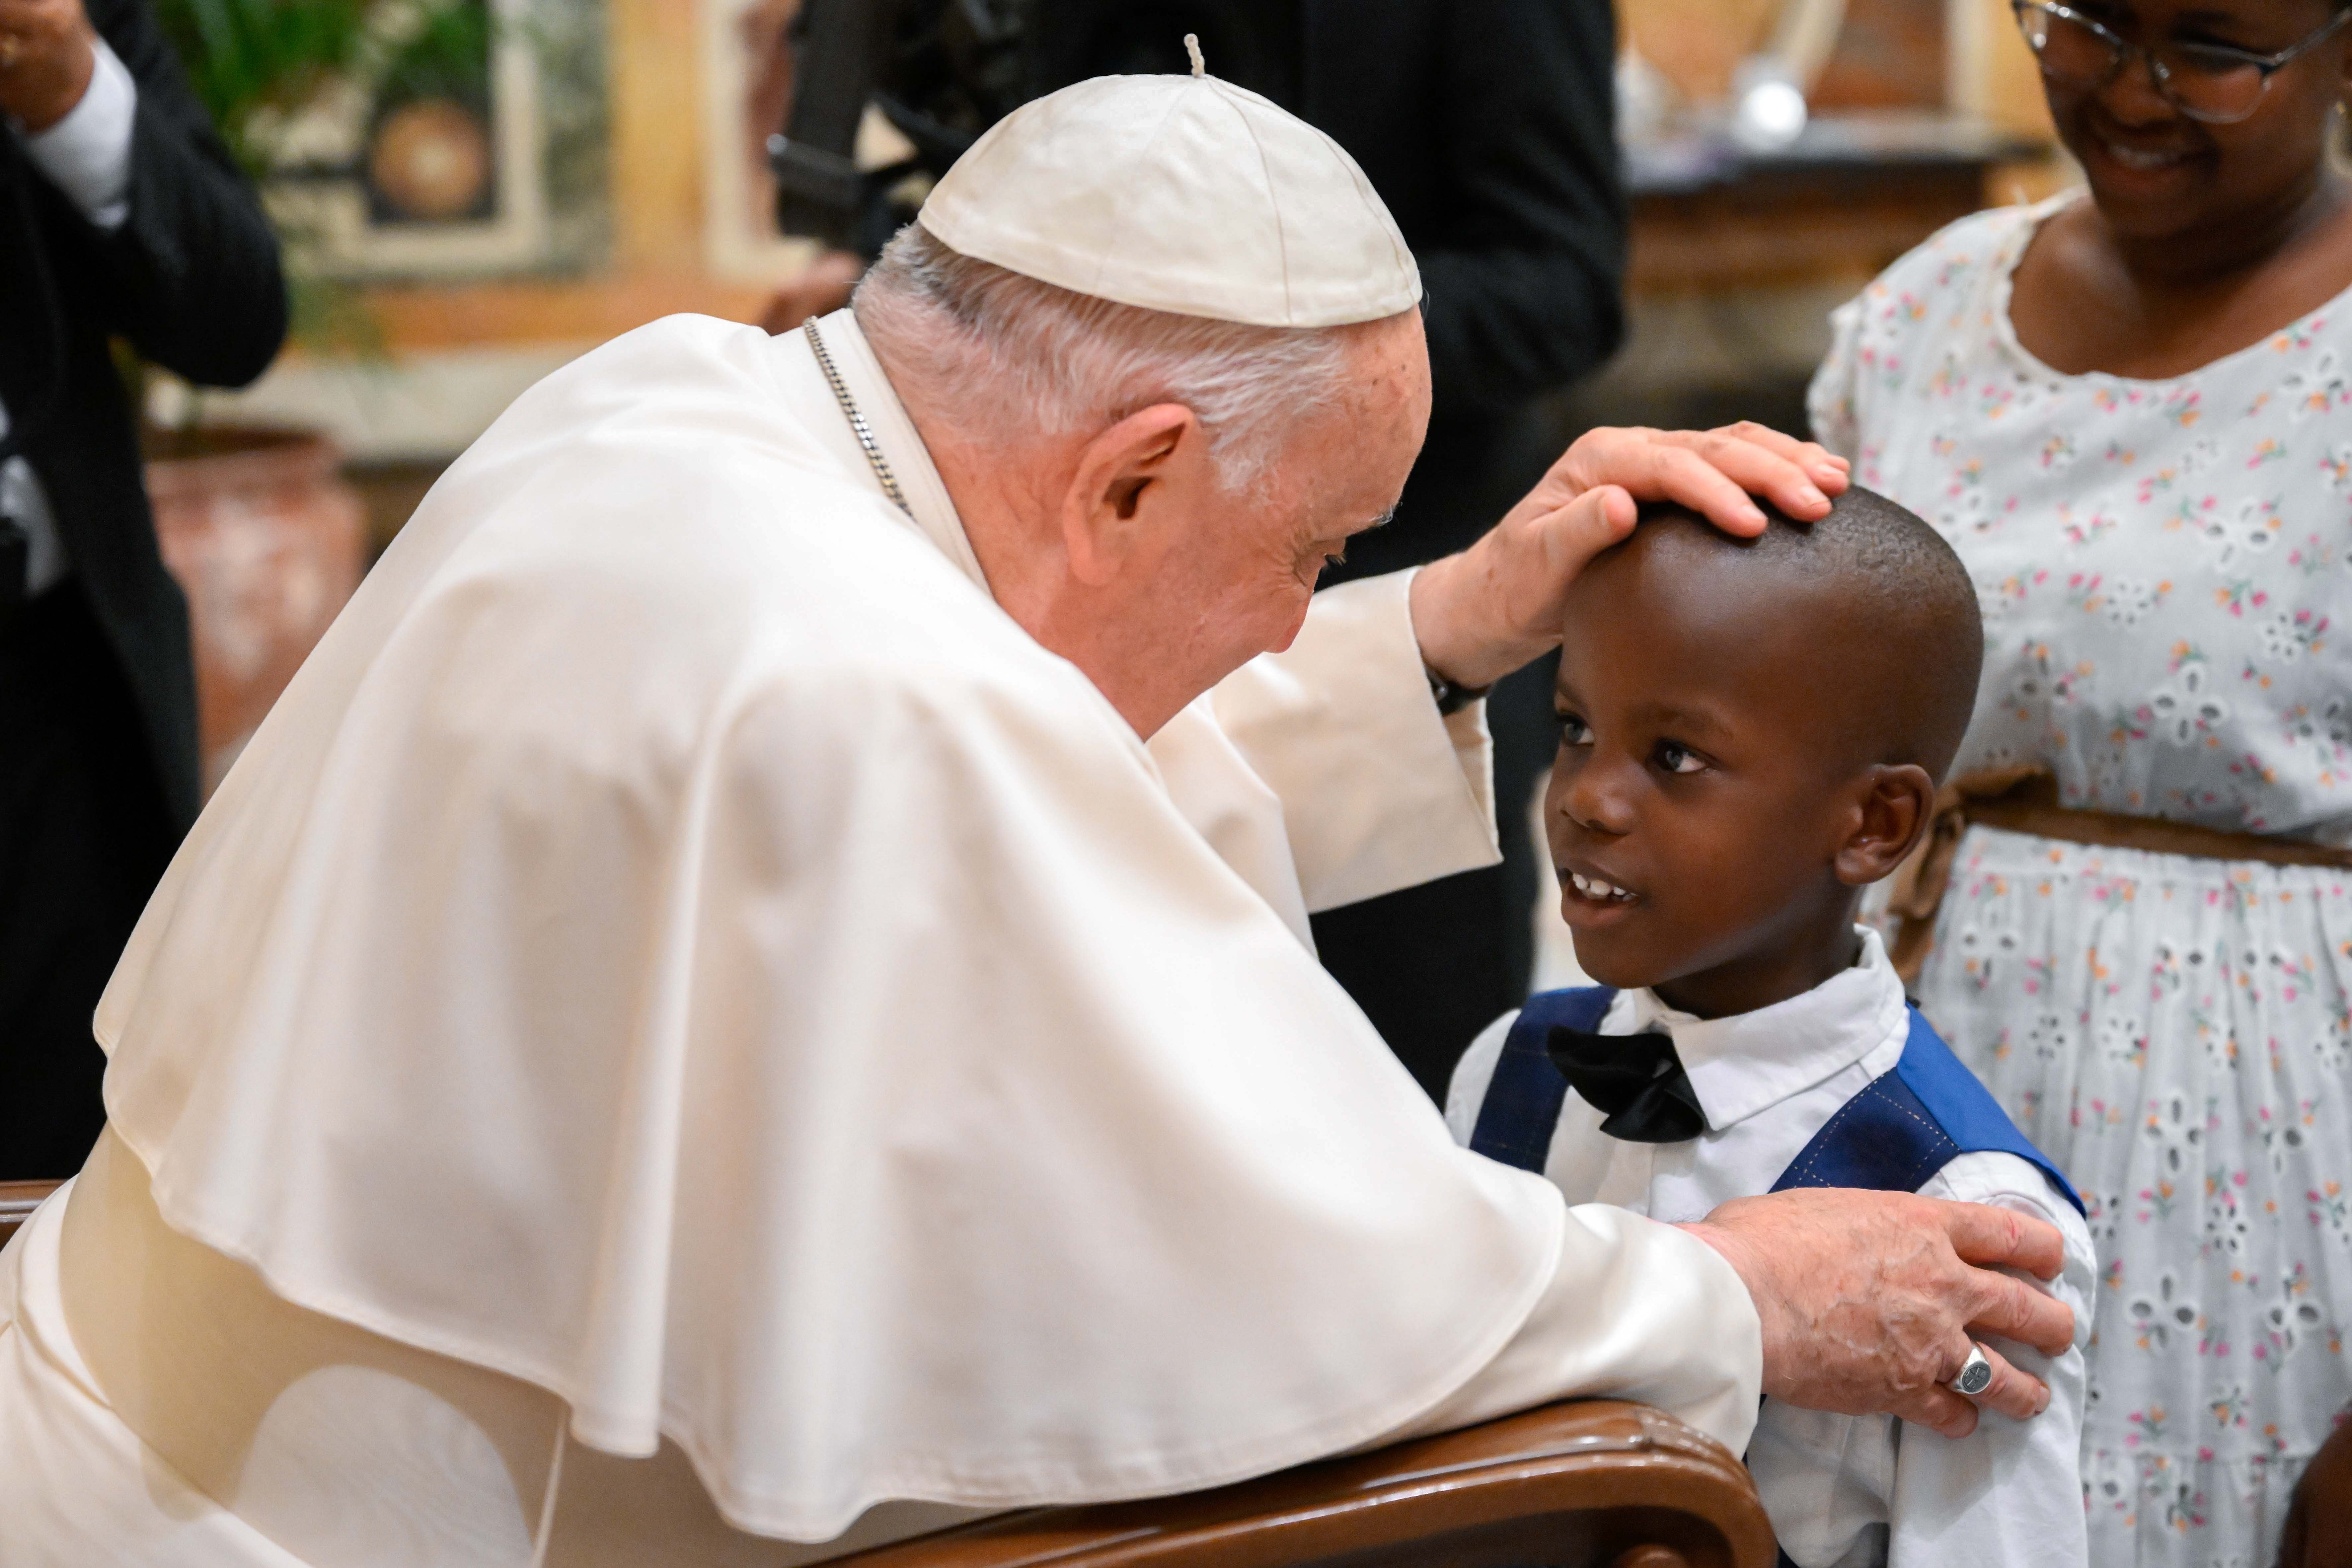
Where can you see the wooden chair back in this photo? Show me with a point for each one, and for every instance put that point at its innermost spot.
(17, 1201)
(1589, 1484)
(1586, 1484)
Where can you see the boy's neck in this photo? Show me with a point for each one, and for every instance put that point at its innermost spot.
(1787, 968)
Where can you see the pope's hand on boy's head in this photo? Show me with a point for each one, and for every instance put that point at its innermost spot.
(1870, 1302)
(1496, 607)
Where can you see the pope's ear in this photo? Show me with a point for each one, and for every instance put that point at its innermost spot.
(1897, 804)
(1116, 473)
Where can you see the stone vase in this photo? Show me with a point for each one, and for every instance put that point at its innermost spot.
(267, 542)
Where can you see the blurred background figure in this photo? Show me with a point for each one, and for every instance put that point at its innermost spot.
(122, 217)
(2318, 1532)
(1485, 125)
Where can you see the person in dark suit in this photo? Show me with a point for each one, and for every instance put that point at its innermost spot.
(1488, 126)
(122, 216)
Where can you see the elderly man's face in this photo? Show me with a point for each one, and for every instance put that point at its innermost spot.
(1237, 582)
(1123, 551)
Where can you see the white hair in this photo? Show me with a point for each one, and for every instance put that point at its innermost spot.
(1009, 359)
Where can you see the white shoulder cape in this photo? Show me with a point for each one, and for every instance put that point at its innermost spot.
(679, 943)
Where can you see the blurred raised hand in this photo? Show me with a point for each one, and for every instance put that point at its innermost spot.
(47, 51)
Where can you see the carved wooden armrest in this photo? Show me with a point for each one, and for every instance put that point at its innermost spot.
(1588, 1483)
(17, 1201)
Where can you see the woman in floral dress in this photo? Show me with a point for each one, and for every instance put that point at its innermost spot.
(2132, 414)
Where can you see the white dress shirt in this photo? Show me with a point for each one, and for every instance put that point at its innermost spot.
(1843, 1491)
(87, 155)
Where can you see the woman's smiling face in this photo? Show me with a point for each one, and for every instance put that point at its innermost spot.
(2157, 171)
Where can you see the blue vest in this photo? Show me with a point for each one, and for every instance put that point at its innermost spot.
(1891, 1137)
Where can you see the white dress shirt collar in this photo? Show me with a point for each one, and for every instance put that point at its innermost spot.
(1752, 1061)
(928, 505)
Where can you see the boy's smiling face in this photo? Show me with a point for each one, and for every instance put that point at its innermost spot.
(1719, 797)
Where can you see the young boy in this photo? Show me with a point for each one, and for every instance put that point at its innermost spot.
(1751, 734)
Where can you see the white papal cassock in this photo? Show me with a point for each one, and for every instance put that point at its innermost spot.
(679, 954)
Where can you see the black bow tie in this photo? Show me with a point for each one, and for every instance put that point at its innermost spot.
(1636, 1079)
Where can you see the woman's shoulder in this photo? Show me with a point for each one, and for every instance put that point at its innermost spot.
(1935, 305)
(1954, 266)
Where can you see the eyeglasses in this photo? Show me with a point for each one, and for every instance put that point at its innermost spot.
(2211, 82)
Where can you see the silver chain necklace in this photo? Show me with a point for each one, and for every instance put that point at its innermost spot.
(863, 431)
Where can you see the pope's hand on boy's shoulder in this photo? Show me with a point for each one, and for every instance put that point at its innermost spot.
(1871, 1300)
(1497, 605)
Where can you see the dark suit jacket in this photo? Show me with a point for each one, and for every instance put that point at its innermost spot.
(190, 282)
(1488, 128)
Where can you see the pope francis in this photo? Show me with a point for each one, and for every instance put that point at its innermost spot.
(754, 995)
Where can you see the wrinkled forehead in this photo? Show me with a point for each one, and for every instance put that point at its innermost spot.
(1348, 459)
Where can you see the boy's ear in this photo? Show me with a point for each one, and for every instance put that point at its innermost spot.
(1897, 804)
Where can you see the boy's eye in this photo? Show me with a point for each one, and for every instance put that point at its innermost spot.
(1677, 759)
(1574, 732)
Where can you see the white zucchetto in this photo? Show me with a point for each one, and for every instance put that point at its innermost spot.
(1180, 193)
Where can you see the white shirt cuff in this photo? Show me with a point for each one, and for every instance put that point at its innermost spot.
(88, 154)
(1377, 791)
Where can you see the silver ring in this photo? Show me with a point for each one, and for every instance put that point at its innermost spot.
(1975, 1374)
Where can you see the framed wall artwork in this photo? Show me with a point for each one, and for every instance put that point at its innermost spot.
(746, 58)
(429, 159)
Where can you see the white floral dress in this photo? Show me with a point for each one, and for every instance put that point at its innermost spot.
(2162, 565)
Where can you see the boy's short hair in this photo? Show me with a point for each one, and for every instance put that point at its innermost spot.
(1898, 584)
